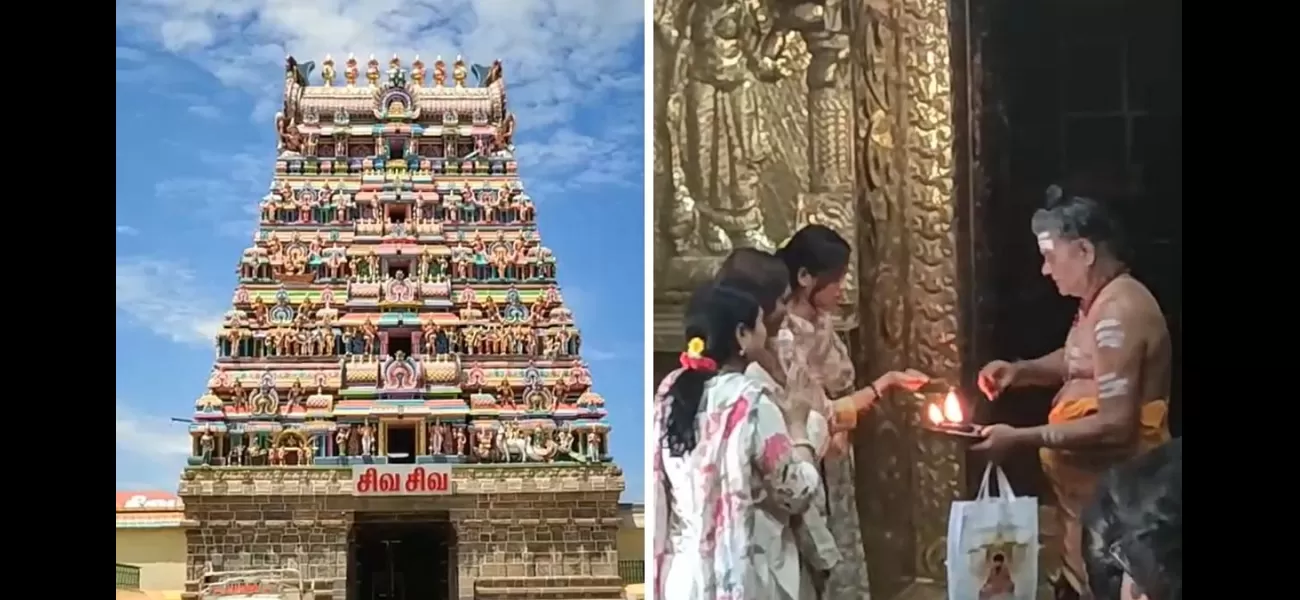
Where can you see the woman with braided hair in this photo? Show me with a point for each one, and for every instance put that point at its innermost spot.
(729, 468)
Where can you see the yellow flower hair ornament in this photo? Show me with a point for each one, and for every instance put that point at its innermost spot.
(693, 359)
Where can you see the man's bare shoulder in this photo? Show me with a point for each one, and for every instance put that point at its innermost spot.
(1129, 301)
(1135, 297)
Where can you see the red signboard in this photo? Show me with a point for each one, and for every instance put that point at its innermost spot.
(401, 480)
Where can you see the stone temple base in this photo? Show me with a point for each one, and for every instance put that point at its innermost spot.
(520, 531)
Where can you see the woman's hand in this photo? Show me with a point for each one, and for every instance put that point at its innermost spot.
(796, 413)
(908, 380)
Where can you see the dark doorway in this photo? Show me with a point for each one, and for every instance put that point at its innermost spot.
(396, 148)
(399, 342)
(396, 266)
(401, 444)
(402, 561)
(1087, 94)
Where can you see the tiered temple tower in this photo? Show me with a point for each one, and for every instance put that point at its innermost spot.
(398, 350)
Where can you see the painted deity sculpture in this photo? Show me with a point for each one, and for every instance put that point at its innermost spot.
(367, 294)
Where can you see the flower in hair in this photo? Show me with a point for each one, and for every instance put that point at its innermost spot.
(693, 358)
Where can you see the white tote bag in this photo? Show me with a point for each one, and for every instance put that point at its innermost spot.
(993, 544)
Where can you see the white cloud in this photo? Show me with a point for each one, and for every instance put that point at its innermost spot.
(161, 296)
(558, 55)
(150, 450)
(229, 197)
(129, 54)
(206, 111)
(153, 438)
(126, 230)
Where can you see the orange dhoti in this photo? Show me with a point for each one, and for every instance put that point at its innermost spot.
(1073, 475)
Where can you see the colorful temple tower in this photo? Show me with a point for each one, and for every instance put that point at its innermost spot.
(398, 366)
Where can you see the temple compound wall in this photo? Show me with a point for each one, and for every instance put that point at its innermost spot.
(530, 532)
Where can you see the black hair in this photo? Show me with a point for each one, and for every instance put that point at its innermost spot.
(1135, 526)
(818, 250)
(762, 274)
(714, 314)
(1075, 217)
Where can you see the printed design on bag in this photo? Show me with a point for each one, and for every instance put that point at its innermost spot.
(994, 567)
(998, 584)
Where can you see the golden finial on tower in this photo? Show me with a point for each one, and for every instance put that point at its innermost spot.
(439, 72)
(372, 71)
(327, 71)
(417, 71)
(350, 70)
(459, 72)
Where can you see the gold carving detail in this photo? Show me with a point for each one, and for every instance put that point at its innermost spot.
(931, 215)
(884, 441)
(843, 119)
(752, 136)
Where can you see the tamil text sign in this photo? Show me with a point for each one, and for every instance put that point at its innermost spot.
(401, 480)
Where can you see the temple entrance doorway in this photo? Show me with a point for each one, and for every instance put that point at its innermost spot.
(1086, 94)
(401, 557)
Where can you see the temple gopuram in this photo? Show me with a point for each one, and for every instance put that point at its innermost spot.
(398, 407)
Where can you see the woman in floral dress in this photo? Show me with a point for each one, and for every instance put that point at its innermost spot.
(729, 467)
(817, 368)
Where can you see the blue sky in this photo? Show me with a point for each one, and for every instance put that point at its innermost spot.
(197, 87)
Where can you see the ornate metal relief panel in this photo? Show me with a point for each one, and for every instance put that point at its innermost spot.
(846, 120)
(752, 138)
(909, 296)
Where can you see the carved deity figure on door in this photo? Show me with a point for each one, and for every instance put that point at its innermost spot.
(724, 130)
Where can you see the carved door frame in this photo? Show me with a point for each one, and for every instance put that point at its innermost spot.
(915, 160)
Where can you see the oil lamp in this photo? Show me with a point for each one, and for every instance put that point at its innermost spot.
(946, 416)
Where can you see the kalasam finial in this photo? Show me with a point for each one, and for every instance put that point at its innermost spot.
(417, 71)
(350, 71)
(327, 71)
(459, 72)
(439, 72)
(372, 71)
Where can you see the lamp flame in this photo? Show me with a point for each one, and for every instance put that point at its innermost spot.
(952, 409)
(935, 415)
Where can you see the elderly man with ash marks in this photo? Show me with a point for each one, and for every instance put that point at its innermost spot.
(1113, 370)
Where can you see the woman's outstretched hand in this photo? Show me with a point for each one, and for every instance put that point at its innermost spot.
(908, 380)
